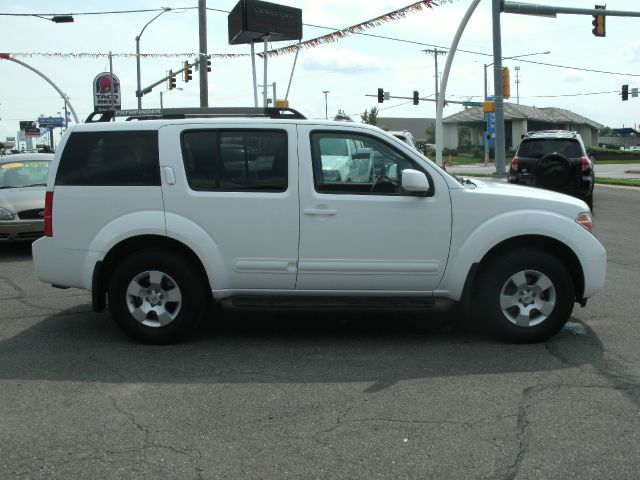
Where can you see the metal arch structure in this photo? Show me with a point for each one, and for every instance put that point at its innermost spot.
(7, 56)
(445, 77)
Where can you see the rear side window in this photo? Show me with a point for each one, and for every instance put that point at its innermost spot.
(110, 158)
(235, 160)
(539, 147)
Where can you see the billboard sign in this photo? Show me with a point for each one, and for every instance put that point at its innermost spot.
(32, 132)
(27, 124)
(105, 91)
(251, 20)
(51, 122)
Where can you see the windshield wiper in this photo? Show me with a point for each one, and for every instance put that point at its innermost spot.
(8, 186)
(36, 185)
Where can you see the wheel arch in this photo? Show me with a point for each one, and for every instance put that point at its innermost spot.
(550, 245)
(103, 269)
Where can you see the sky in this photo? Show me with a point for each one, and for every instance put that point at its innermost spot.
(349, 69)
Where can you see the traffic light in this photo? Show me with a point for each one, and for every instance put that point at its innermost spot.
(186, 72)
(381, 95)
(171, 81)
(416, 99)
(208, 65)
(598, 23)
(625, 93)
(506, 83)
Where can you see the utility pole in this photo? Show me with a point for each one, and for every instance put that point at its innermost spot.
(499, 143)
(518, 85)
(435, 52)
(202, 25)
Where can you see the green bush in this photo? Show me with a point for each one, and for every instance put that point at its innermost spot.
(477, 152)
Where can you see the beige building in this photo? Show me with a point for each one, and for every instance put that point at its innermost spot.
(519, 119)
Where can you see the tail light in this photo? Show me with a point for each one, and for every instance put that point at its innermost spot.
(585, 164)
(48, 214)
(515, 163)
(584, 220)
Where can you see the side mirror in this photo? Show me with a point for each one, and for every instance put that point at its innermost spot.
(415, 181)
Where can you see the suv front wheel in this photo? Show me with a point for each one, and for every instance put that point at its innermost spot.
(156, 297)
(525, 296)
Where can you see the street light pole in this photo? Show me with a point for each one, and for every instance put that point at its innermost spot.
(138, 92)
(326, 105)
(164, 91)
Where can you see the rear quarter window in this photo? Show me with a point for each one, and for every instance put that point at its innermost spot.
(110, 159)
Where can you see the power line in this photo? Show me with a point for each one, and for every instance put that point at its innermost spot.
(570, 94)
(581, 69)
(93, 13)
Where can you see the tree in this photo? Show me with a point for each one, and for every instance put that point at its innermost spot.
(370, 117)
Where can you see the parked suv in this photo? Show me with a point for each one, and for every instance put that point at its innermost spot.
(555, 160)
(158, 218)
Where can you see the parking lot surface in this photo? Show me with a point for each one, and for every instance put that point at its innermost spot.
(323, 395)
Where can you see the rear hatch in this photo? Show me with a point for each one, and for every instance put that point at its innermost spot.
(553, 163)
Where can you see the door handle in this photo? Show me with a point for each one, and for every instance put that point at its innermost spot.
(319, 211)
(171, 177)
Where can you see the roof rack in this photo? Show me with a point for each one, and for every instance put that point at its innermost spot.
(181, 113)
(551, 133)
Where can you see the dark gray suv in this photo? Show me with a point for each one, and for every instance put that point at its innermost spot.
(555, 160)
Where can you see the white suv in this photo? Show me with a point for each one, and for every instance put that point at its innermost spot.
(162, 216)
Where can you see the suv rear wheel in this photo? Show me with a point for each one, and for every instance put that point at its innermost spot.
(525, 296)
(156, 297)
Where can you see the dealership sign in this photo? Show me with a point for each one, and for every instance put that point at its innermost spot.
(106, 92)
(50, 122)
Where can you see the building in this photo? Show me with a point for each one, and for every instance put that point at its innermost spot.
(417, 126)
(519, 119)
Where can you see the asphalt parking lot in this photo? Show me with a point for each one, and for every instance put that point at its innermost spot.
(323, 396)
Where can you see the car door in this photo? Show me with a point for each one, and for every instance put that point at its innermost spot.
(360, 231)
(234, 198)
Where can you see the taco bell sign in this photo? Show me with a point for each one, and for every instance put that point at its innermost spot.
(103, 90)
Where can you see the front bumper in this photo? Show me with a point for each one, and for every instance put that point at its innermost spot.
(21, 230)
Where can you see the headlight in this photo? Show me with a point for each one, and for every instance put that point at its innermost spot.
(6, 214)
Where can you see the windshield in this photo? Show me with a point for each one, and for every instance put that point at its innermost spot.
(23, 174)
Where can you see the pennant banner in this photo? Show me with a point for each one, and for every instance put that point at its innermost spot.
(355, 29)
(314, 42)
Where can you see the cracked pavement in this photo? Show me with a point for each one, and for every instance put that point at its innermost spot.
(312, 396)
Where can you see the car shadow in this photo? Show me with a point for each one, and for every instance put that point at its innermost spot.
(378, 350)
(15, 252)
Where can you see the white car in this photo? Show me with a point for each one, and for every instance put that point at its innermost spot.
(160, 217)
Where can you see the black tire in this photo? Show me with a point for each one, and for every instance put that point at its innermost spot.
(160, 282)
(536, 310)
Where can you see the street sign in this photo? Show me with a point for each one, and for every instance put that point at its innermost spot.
(491, 129)
(471, 104)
